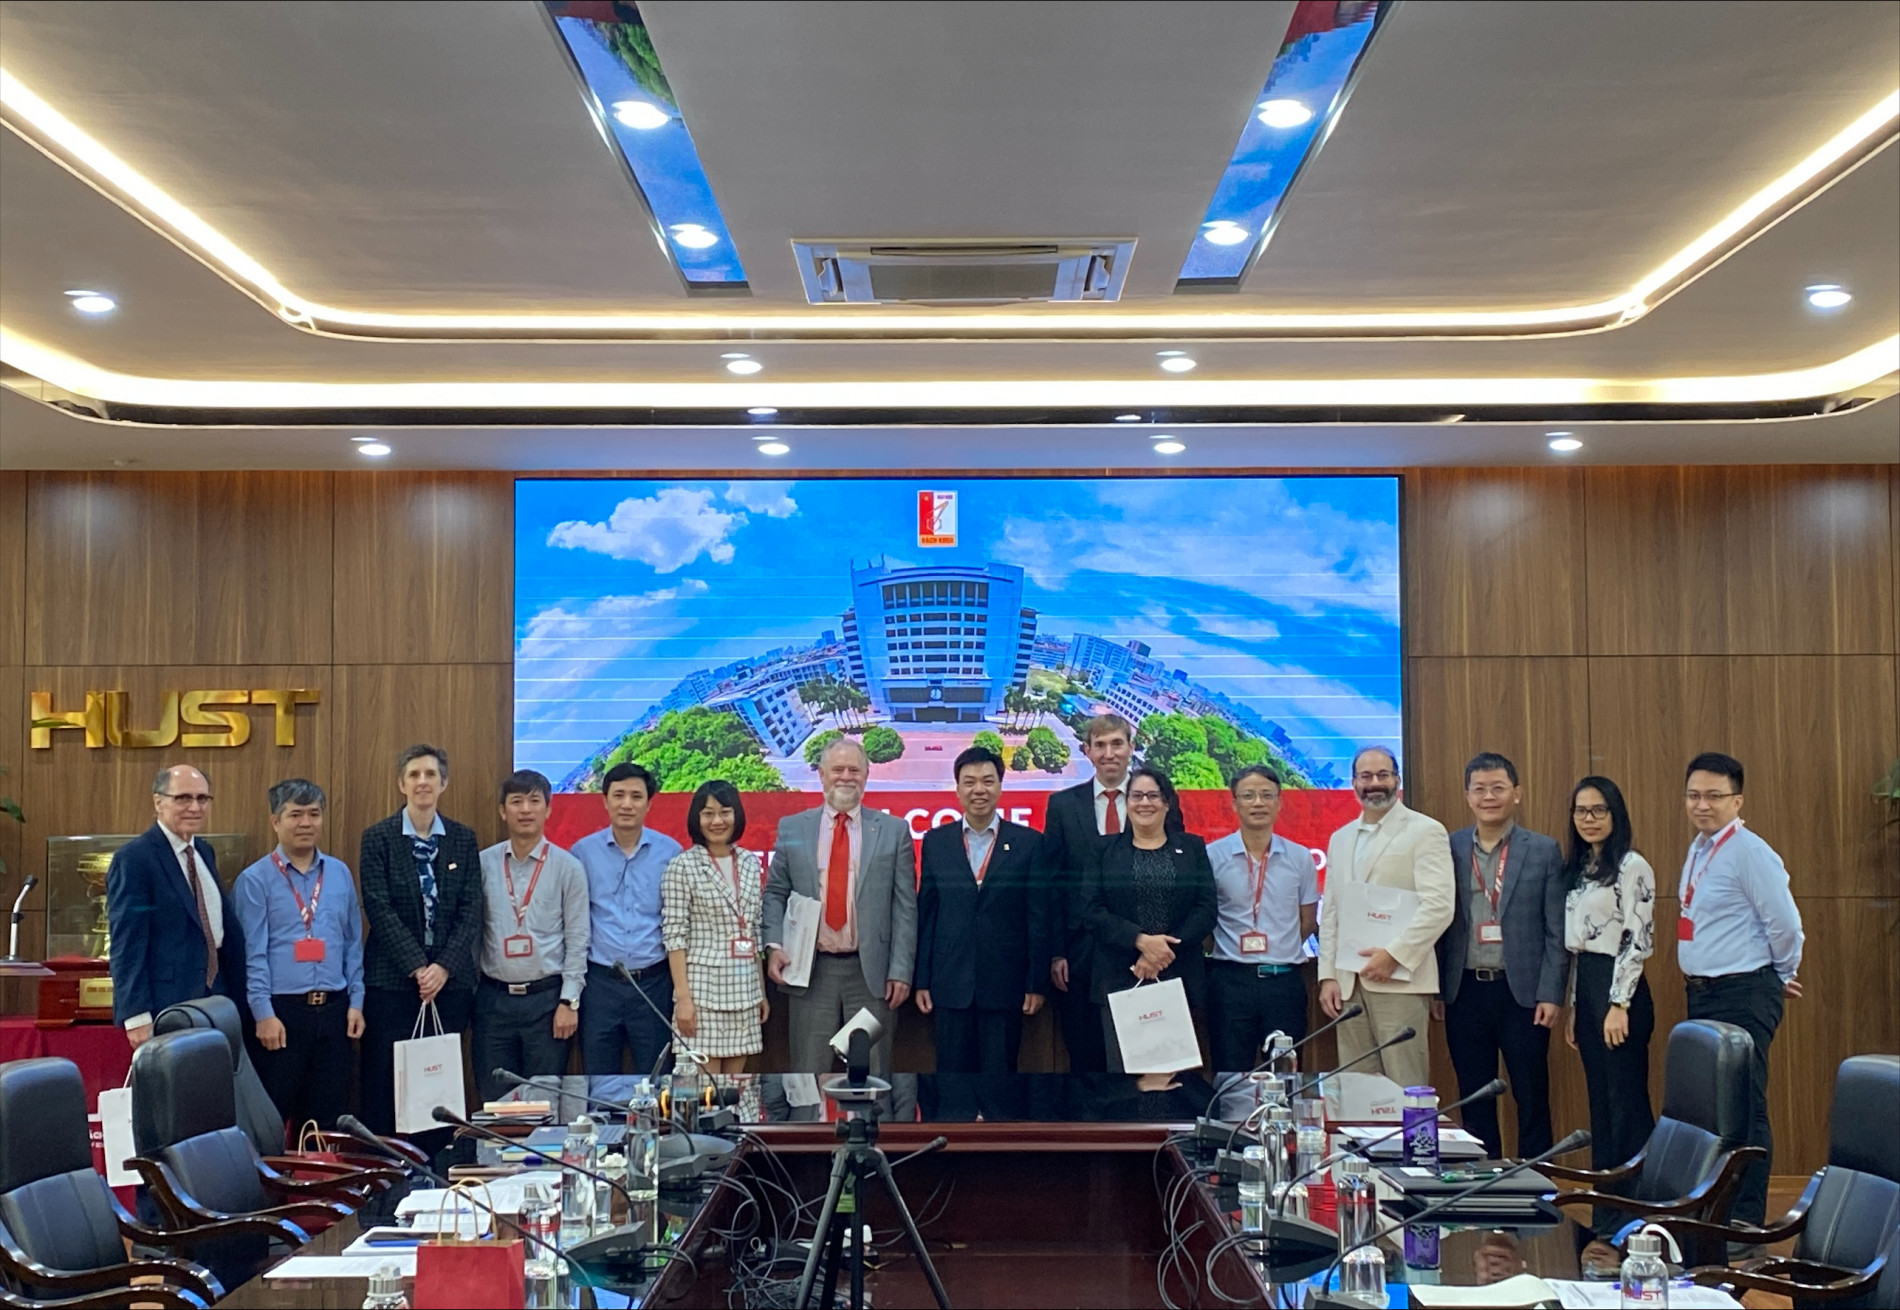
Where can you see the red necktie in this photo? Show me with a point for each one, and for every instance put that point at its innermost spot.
(1112, 817)
(838, 875)
(204, 916)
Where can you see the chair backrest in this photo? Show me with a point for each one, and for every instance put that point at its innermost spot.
(56, 1208)
(184, 1114)
(257, 1114)
(1856, 1208)
(1704, 1112)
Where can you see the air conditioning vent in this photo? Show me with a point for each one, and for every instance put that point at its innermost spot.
(961, 273)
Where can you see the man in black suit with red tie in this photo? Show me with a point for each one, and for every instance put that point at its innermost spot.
(982, 926)
(1072, 831)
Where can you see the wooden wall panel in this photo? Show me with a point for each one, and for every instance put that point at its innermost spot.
(178, 568)
(424, 568)
(13, 734)
(1734, 561)
(12, 568)
(1494, 561)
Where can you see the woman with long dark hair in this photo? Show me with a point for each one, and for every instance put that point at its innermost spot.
(1151, 900)
(1609, 929)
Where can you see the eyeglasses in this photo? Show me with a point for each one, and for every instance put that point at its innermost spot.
(1249, 797)
(1134, 796)
(188, 798)
(1489, 793)
(1383, 775)
(1590, 812)
(1697, 797)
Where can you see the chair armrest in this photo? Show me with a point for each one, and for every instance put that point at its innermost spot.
(344, 1144)
(328, 1211)
(145, 1294)
(179, 1274)
(1597, 1177)
(183, 1211)
(1789, 1225)
(327, 1189)
(1772, 1276)
(369, 1169)
(1643, 1209)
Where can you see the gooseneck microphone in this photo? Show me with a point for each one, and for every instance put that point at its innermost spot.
(13, 935)
(679, 1043)
(1273, 1052)
(1493, 1088)
(1401, 1036)
(443, 1115)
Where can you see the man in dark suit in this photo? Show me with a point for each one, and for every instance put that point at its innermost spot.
(982, 926)
(1501, 963)
(175, 936)
(422, 899)
(1072, 829)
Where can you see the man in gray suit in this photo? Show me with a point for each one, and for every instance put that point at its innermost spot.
(1502, 963)
(859, 865)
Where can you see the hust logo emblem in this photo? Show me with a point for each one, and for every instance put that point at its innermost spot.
(106, 716)
(936, 518)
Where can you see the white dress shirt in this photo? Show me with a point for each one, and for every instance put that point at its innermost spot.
(841, 941)
(1101, 806)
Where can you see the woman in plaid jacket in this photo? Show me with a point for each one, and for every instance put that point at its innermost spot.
(710, 902)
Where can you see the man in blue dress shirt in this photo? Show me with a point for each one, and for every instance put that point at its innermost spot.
(303, 949)
(624, 862)
(1738, 940)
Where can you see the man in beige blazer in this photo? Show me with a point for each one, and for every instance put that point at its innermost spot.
(1394, 847)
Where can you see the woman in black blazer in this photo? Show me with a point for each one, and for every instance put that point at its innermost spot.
(1150, 900)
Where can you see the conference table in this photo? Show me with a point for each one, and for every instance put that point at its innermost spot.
(1048, 1191)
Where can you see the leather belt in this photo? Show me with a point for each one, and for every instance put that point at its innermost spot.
(527, 988)
(1487, 975)
(311, 999)
(1259, 970)
(607, 973)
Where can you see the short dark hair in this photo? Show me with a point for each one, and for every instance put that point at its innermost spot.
(1484, 761)
(419, 750)
(1364, 751)
(296, 791)
(978, 755)
(526, 782)
(628, 771)
(1716, 762)
(1255, 771)
(1174, 824)
(717, 789)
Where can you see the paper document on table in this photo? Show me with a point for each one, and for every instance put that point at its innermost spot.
(314, 1267)
(1575, 1295)
(1523, 1290)
(1370, 917)
(801, 937)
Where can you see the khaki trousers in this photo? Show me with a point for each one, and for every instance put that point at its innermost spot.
(1409, 1064)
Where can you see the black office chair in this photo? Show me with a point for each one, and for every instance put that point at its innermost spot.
(1845, 1221)
(61, 1228)
(257, 1114)
(1695, 1158)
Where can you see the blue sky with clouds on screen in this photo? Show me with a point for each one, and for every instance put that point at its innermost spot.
(1280, 592)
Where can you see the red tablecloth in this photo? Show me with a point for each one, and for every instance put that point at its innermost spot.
(99, 1049)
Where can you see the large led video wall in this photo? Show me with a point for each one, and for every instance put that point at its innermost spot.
(730, 629)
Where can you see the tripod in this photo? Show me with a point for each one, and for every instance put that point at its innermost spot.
(854, 1161)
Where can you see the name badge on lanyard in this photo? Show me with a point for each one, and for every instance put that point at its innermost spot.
(309, 948)
(1685, 926)
(1490, 932)
(518, 945)
(1254, 942)
(742, 945)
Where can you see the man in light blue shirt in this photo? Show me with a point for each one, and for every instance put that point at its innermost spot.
(303, 955)
(1738, 940)
(1268, 889)
(624, 862)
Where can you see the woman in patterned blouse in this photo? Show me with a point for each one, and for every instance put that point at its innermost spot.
(709, 917)
(1609, 929)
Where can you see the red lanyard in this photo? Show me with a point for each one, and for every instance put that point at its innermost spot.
(986, 854)
(307, 912)
(1259, 879)
(508, 876)
(738, 900)
(1695, 874)
(1477, 875)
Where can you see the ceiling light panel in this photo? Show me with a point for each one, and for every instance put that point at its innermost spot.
(634, 104)
(1294, 114)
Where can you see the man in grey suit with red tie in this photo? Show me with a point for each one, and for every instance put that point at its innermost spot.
(860, 866)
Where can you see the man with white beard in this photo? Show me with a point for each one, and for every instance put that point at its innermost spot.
(860, 866)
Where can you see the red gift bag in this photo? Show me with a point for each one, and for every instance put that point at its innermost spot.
(474, 1274)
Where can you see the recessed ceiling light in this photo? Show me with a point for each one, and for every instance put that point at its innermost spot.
(1169, 446)
(1128, 418)
(1177, 363)
(1284, 113)
(1828, 295)
(374, 449)
(92, 302)
(762, 411)
(743, 365)
(774, 448)
(361, 440)
(1563, 443)
(735, 354)
(694, 236)
(641, 115)
(1224, 232)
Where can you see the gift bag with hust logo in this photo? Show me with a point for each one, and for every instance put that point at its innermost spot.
(462, 1270)
(428, 1074)
(1154, 1027)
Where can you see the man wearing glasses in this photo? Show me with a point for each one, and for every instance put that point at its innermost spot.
(1738, 940)
(175, 936)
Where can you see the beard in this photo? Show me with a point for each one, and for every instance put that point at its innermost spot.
(1378, 798)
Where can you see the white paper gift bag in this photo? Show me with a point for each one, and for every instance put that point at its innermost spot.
(1154, 1027)
(428, 1074)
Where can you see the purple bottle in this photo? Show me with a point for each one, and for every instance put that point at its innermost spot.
(1421, 1152)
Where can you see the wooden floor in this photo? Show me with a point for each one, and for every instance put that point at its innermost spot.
(1783, 1192)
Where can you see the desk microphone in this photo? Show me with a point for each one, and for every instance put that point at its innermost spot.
(13, 936)
(1274, 1051)
(1575, 1142)
(679, 1042)
(1402, 1035)
(1493, 1088)
(683, 1154)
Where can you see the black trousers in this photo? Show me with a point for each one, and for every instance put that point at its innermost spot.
(309, 1078)
(1080, 1017)
(1483, 1023)
(1244, 1005)
(977, 1041)
(1621, 1119)
(389, 1016)
(516, 1033)
(1751, 1001)
(615, 1019)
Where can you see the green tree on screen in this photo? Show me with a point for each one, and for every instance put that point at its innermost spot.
(1195, 771)
(815, 748)
(691, 746)
(1161, 737)
(991, 741)
(882, 744)
(1046, 750)
(1020, 760)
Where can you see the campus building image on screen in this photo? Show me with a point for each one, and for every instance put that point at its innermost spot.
(733, 628)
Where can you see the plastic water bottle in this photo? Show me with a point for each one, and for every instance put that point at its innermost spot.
(1362, 1264)
(577, 1189)
(540, 1220)
(385, 1289)
(643, 1145)
(1253, 1188)
(1645, 1277)
(1309, 1135)
(1421, 1128)
(1277, 1137)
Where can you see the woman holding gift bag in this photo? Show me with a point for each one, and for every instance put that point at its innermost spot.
(710, 900)
(1150, 901)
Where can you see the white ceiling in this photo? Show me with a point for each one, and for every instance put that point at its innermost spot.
(420, 157)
